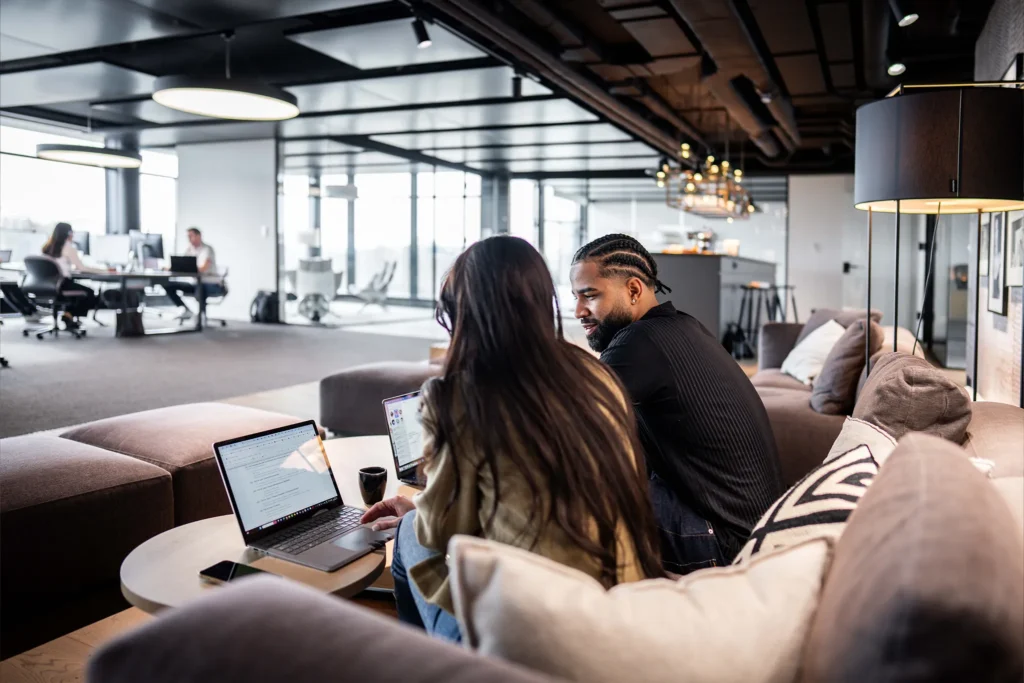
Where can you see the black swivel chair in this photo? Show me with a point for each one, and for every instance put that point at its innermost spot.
(44, 283)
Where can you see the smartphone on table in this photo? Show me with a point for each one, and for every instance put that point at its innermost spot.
(225, 572)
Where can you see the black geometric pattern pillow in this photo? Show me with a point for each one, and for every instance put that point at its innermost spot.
(817, 505)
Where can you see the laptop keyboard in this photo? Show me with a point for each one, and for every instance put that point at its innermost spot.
(313, 532)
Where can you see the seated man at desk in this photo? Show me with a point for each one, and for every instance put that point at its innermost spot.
(206, 262)
(61, 248)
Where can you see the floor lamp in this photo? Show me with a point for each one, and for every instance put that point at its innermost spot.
(949, 149)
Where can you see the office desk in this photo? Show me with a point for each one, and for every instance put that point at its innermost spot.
(138, 280)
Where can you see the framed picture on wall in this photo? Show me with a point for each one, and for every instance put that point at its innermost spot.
(1015, 249)
(983, 247)
(997, 265)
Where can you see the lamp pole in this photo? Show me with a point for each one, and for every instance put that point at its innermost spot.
(896, 286)
(867, 312)
(977, 308)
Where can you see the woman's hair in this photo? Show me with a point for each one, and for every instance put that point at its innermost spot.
(55, 244)
(513, 387)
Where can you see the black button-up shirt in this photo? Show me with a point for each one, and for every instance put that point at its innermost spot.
(702, 424)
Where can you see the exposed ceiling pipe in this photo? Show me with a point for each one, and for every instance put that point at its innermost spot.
(525, 50)
(730, 36)
(876, 38)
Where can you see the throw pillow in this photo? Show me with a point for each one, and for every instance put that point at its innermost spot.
(816, 506)
(835, 388)
(928, 580)
(860, 433)
(847, 317)
(735, 624)
(807, 358)
(905, 394)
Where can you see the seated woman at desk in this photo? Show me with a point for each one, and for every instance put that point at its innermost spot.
(61, 247)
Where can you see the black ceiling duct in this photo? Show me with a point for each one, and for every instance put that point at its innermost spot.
(745, 88)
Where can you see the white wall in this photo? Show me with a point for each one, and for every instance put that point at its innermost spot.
(229, 191)
(656, 225)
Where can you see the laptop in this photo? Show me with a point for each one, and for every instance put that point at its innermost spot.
(406, 432)
(287, 504)
(184, 264)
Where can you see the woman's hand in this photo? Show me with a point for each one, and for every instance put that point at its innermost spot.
(392, 508)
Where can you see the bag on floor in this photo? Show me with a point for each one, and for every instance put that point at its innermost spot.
(264, 308)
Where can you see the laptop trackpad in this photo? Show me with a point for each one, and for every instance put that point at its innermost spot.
(362, 537)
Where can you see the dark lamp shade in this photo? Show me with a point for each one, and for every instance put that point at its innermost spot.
(963, 147)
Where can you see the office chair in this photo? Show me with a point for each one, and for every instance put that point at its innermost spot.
(44, 282)
(376, 292)
(218, 300)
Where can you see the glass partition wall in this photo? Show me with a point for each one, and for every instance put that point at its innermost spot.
(405, 228)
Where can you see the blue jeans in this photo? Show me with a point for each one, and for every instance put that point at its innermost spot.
(688, 541)
(412, 606)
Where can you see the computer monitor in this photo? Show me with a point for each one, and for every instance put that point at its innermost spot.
(147, 245)
(82, 242)
(111, 249)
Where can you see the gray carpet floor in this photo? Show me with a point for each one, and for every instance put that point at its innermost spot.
(57, 383)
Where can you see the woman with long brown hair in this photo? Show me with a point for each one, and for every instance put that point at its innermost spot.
(528, 440)
(61, 247)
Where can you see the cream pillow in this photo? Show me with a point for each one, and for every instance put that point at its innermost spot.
(742, 624)
(807, 358)
(860, 433)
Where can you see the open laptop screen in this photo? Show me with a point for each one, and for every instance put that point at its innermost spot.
(405, 429)
(277, 476)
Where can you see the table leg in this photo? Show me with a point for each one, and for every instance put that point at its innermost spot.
(201, 298)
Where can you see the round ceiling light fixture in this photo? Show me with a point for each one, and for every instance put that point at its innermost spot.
(104, 157)
(905, 16)
(422, 36)
(226, 98)
(896, 68)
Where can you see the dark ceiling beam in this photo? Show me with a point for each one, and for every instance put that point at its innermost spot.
(750, 27)
(856, 11)
(546, 175)
(819, 44)
(366, 142)
(418, 106)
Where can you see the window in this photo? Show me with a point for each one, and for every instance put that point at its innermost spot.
(36, 194)
(383, 228)
(334, 223)
(158, 200)
(523, 210)
(448, 214)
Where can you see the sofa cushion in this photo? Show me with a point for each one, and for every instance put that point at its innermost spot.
(180, 440)
(269, 629)
(844, 317)
(803, 436)
(350, 401)
(906, 394)
(860, 433)
(720, 624)
(70, 513)
(777, 379)
(928, 579)
(816, 506)
(807, 358)
(835, 388)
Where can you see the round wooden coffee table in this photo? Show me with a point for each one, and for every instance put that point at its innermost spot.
(164, 571)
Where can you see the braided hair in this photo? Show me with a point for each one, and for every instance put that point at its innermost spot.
(622, 255)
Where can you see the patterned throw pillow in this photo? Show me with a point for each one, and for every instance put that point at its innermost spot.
(817, 505)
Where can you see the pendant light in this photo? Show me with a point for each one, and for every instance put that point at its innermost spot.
(104, 157)
(226, 98)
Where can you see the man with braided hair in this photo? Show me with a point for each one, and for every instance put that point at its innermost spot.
(709, 446)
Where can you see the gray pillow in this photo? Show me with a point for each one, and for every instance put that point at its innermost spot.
(905, 393)
(927, 583)
(845, 318)
(835, 387)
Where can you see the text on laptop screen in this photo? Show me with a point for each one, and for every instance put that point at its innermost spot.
(403, 416)
(277, 476)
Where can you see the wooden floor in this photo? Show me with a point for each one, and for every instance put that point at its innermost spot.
(64, 660)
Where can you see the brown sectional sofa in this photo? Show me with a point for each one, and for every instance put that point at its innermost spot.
(75, 503)
(350, 400)
(803, 436)
(926, 584)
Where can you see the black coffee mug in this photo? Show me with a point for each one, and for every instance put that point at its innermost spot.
(372, 482)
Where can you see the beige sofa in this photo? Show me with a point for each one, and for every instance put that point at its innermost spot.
(75, 503)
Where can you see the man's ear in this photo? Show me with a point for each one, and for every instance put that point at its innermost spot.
(635, 288)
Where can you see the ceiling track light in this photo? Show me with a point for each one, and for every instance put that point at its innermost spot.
(896, 69)
(422, 37)
(104, 157)
(517, 86)
(903, 12)
(227, 97)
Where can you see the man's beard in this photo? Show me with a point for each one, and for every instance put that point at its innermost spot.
(607, 329)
